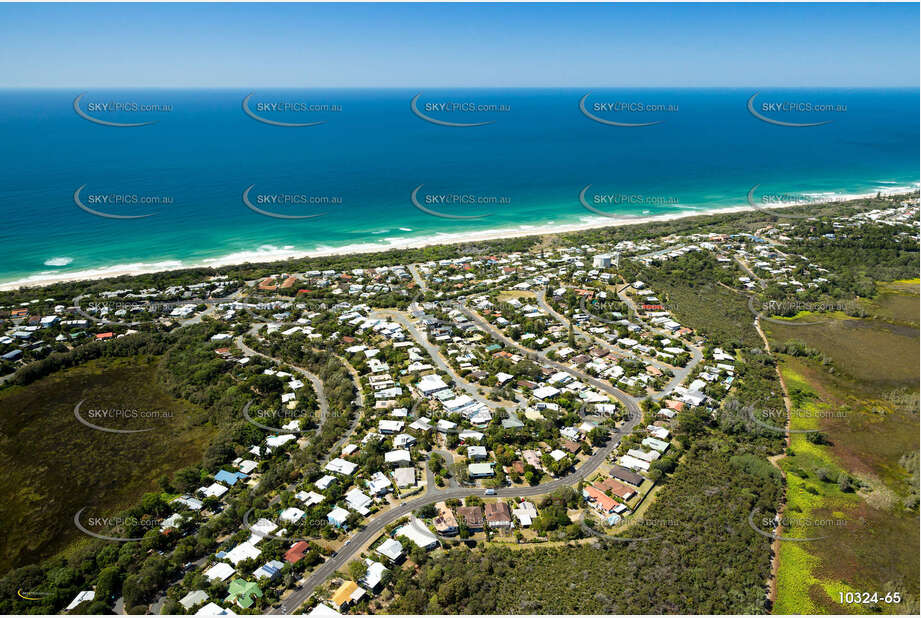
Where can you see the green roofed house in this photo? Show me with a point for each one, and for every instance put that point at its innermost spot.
(243, 593)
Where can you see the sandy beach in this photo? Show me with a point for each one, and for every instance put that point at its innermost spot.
(268, 254)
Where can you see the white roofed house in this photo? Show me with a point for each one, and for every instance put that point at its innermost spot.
(341, 466)
(243, 551)
(476, 452)
(309, 498)
(193, 598)
(480, 470)
(482, 416)
(291, 514)
(214, 490)
(276, 441)
(261, 529)
(378, 484)
(403, 440)
(386, 426)
(324, 482)
(374, 575)
(571, 433)
(444, 426)
(358, 501)
(397, 457)
(337, 517)
(430, 384)
(417, 533)
(525, 513)
(545, 392)
(423, 423)
(219, 571)
(633, 463)
(468, 435)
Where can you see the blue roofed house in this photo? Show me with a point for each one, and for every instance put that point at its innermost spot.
(269, 570)
(223, 476)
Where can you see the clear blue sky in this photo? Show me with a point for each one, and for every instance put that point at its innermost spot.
(413, 45)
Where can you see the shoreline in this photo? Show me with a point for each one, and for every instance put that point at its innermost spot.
(257, 256)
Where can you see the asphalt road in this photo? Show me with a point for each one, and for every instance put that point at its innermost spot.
(314, 379)
(376, 525)
(680, 373)
(630, 403)
(420, 337)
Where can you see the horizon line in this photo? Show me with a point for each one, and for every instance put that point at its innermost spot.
(457, 86)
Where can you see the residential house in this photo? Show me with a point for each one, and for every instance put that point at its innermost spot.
(498, 515)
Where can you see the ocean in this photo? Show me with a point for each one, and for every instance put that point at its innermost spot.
(359, 168)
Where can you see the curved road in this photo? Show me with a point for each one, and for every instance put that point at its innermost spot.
(680, 373)
(543, 304)
(440, 362)
(377, 525)
(630, 403)
(314, 379)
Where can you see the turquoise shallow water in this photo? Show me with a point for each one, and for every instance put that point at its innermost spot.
(371, 152)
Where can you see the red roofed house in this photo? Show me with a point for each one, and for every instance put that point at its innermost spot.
(602, 502)
(618, 489)
(671, 404)
(297, 551)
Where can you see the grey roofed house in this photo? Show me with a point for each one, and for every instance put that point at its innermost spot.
(391, 549)
(12, 355)
(193, 598)
(627, 476)
(405, 477)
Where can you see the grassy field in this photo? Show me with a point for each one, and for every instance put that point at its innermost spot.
(897, 302)
(867, 407)
(712, 310)
(53, 465)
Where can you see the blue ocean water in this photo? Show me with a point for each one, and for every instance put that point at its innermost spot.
(526, 168)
